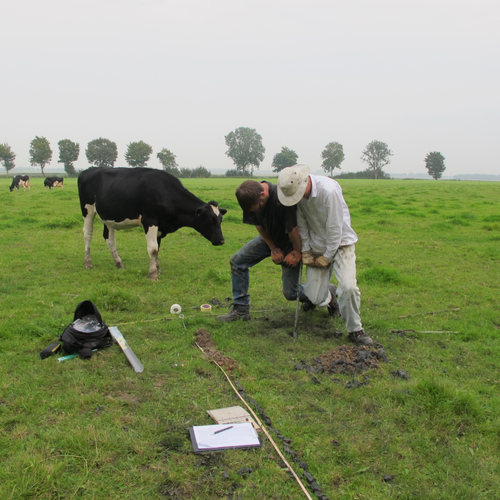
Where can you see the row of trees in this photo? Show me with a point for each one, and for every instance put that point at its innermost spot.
(100, 153)
(247, 152)
(245, 148)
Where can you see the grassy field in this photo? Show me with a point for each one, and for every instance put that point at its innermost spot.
(428, 269)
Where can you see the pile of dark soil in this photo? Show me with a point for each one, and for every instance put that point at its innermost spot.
(345, 359)
(203, 340)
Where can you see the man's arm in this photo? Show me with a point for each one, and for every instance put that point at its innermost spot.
(277, 254)
(334, 222)
(294, 236)
(293, 258)
(303, 231)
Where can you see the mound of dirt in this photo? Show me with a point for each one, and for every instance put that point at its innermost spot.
(345, 359)
(203, 340)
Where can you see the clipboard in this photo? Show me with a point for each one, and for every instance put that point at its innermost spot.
(223, 437)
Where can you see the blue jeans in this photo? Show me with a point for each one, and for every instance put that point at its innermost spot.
(252, 253)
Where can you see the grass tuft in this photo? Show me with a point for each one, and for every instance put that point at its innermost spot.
(381, 275)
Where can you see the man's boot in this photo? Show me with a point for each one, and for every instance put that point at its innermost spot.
(237, 312)
(360, 338)
(306, 304)
(333, 305)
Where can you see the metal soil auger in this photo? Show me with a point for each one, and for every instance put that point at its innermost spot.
(298, 302)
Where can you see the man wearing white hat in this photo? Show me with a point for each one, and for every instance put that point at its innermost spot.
(327, 242)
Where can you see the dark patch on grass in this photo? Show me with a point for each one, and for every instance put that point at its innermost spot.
(400, 374)
(26, 220)
(346, 360)
(311, 322)
(457, 221)
(367, 210)
(413, 213)
(384, 222)
(467, 216)
(67, 223)
(492, 218)
(172, 489)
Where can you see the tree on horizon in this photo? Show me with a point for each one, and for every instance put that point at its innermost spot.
(138, 154)
(69, 152)
(102, 152)
(40, 152)
(245, 148)
(333, 156)
(434, 163)
(168, 163)
(285, 158)
(376, 156)
(7, 157)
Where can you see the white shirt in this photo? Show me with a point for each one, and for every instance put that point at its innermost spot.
(324, 220)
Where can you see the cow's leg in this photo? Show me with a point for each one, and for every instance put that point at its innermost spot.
(158, 241)
(110, 237)
(152, 242)
(88, 230)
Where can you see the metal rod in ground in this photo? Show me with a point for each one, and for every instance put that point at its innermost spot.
(298, 302)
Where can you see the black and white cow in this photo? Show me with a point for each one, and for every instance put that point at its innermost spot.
(22, 181)
(52, 182)
(143, 197)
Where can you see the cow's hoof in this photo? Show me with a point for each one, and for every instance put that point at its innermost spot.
(119, 265)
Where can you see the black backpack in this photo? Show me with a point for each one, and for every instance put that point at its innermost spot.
(87, 332)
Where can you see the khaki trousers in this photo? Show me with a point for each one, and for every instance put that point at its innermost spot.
(344, 267)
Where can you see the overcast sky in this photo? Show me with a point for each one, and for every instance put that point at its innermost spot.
(420, 75)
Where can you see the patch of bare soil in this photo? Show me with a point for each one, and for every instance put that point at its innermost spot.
(203, 340)
(314, 325)
(345, 359)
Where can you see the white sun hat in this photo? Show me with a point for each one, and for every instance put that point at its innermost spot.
(292, 183)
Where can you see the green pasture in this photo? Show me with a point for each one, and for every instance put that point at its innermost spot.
(429, 272)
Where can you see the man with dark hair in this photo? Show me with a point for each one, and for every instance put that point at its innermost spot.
(278, 238)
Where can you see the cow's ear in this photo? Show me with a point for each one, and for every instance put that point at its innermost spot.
(223, 211)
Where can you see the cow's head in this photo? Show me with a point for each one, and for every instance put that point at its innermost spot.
(208, 222)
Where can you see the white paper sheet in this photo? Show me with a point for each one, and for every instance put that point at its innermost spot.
(234, 436)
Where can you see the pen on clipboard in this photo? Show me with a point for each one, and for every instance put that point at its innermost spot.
(222, 430)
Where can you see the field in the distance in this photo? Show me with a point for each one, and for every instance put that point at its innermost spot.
(428, 270)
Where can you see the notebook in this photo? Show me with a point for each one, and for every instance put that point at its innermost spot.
(223, 437)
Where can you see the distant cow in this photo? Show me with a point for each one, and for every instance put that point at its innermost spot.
(22, 181)
(143, 197)
(52, 182)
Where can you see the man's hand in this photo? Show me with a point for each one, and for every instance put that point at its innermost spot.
(293, 258)
(308, 258)
(277, 255)
(322, 262)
